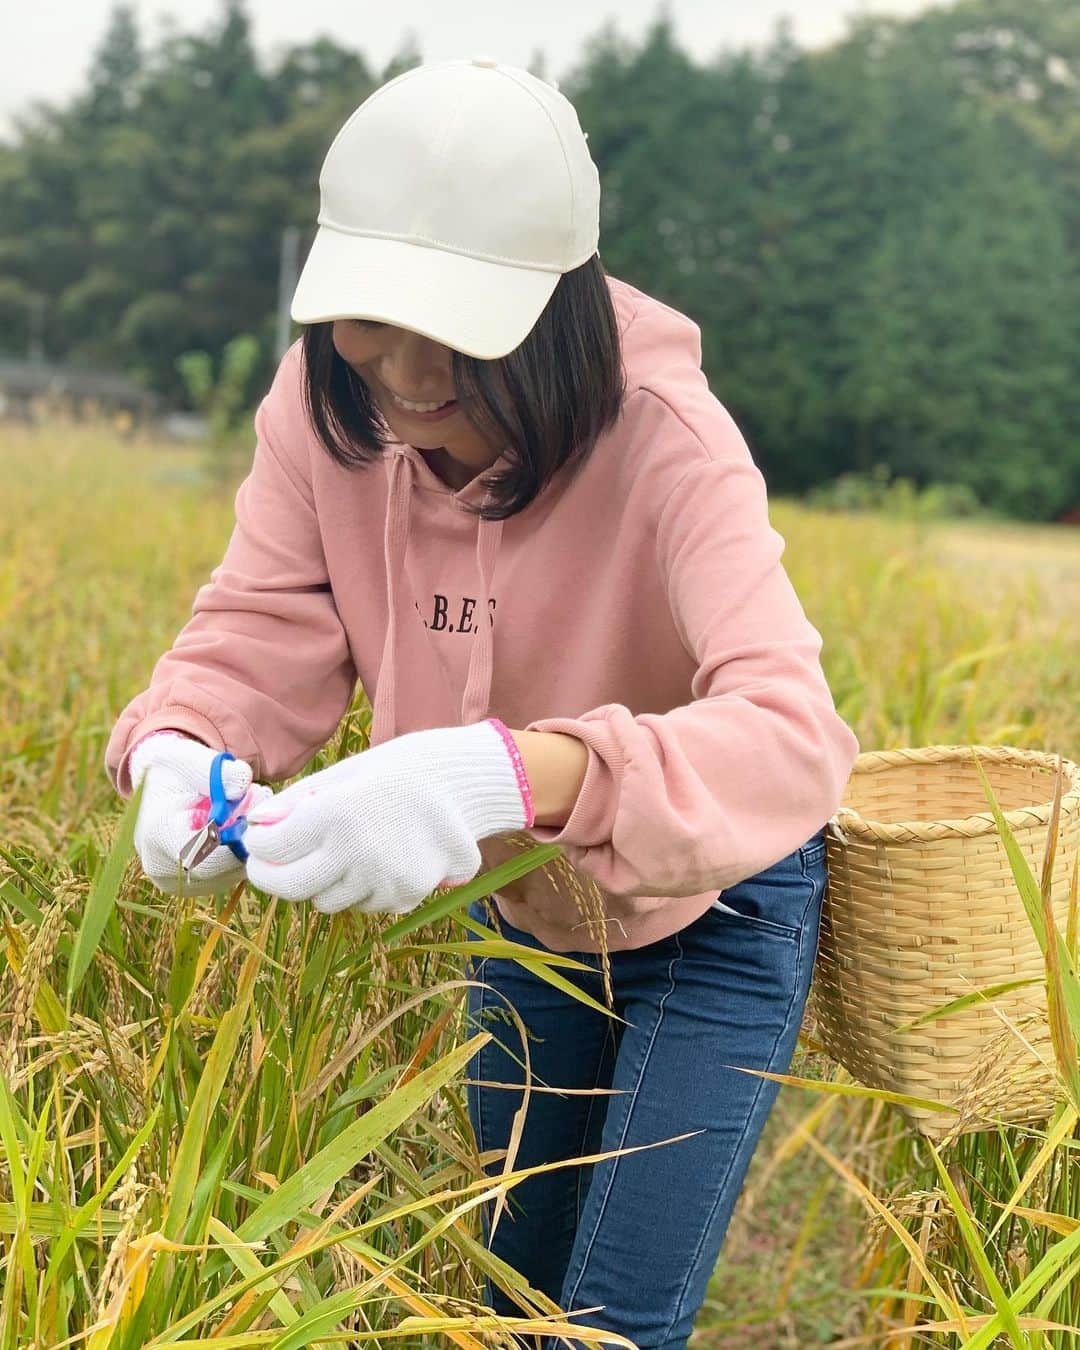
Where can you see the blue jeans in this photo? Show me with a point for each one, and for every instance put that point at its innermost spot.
(640, 1234)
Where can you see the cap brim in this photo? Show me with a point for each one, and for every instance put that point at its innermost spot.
(482, 308)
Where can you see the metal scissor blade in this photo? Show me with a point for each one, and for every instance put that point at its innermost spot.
(199, 846)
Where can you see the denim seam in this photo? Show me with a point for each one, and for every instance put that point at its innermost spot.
(480, 1094)
(692, 1264)
(588, 1122)
(813, 855)
(626, 1123)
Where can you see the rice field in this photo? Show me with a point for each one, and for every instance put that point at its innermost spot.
(236, 1124)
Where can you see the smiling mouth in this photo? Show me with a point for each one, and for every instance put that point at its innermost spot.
(410, 403)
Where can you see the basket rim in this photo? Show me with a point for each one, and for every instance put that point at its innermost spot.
(847, 822)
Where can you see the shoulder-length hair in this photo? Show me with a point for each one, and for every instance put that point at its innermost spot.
(549, 399)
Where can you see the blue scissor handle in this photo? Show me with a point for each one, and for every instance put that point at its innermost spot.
(221, 808)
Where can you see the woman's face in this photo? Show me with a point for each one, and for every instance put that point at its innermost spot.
(398, 361)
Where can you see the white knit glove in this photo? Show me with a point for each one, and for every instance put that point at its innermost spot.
(384, 828)
(176, 802)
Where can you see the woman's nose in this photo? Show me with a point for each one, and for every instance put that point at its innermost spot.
(416, 363)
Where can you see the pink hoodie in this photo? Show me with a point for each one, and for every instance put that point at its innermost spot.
(640, 605)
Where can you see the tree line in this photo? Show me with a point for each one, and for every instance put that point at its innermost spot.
(880, 239)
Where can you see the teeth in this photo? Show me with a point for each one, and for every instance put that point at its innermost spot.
(419, 407)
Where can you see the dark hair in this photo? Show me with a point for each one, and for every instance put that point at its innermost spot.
(549, 399)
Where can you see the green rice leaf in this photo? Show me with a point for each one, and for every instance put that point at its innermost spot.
(50, 1220)
(463, 896)
(1031, 895)
(247, 1263)
(103, 896)
(355, 1142)
(1058, 1255)
(75, 1223)
(187, 1163)
(983, 995)
(971, 1240)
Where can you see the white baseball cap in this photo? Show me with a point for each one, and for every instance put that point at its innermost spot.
(451, 202)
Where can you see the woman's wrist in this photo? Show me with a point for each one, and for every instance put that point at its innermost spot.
(555, 765)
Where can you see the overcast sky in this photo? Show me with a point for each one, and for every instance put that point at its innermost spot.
(45, 46)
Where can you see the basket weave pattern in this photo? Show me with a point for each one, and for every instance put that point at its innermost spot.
(921, 908)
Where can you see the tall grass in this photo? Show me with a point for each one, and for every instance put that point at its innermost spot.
(241, 1122)
(224, 1120)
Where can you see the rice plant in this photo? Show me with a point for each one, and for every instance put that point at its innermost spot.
(240, 1122)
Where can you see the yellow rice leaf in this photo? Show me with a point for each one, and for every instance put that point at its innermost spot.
(1057, 1223)
(945, 1300)
(847, 1089)
(138, 1257)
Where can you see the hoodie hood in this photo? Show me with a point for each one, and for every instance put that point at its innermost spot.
(654, 338)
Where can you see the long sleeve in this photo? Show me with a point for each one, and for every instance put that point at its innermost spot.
(711, 792)
(263, 667)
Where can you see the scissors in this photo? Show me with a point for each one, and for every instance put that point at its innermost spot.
(215, 831)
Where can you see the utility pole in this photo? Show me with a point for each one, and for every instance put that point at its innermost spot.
(36, 336)
(288, 274)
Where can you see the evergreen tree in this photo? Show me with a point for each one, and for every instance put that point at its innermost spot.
(880, 241)
(115, 71)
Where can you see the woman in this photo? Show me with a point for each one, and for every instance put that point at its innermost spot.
(620, 599)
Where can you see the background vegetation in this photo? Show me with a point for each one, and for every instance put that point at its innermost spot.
(880, 241)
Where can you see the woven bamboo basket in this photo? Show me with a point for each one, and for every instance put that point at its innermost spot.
(921, 907)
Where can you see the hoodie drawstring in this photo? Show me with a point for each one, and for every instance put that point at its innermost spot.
(477, 692)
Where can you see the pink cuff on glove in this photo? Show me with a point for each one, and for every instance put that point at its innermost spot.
(519, 769)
